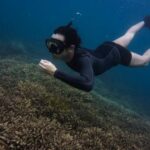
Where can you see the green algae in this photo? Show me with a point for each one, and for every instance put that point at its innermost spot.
(38, 111)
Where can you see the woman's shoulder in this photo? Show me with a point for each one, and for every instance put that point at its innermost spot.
(81, 51)
(79, 54)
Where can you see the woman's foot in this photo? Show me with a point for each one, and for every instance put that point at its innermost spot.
(147, 21)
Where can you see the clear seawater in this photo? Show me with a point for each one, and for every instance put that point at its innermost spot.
(31, 21)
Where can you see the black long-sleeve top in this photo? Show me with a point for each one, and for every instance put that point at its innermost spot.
(89, 63)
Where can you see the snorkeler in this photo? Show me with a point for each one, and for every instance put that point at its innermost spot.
(65, 42)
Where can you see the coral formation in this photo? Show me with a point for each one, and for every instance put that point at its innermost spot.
(40, 112)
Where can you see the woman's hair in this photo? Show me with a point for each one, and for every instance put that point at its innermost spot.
(71, 35)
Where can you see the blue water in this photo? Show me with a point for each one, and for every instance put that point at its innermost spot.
(32, 21)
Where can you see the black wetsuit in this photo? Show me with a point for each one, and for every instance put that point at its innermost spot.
(91, 63)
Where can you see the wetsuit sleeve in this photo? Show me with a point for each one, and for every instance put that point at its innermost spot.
(84, 81)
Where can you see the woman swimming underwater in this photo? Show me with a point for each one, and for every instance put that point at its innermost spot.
(65, 42)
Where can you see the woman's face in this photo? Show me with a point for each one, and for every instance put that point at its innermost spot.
(67, 54)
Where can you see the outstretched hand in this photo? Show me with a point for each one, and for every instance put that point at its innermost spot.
(48, 66)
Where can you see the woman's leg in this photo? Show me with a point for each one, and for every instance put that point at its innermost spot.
(140, 60)
(129, 35)
(136, 59)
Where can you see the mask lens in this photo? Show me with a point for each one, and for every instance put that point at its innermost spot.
(53, 48)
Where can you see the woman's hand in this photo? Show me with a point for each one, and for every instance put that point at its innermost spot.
(48, 66)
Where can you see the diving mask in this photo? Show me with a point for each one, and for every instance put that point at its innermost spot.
(55, 46)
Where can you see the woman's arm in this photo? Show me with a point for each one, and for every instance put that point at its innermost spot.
(84, 81)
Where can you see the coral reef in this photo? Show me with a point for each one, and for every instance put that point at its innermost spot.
(40, 112)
